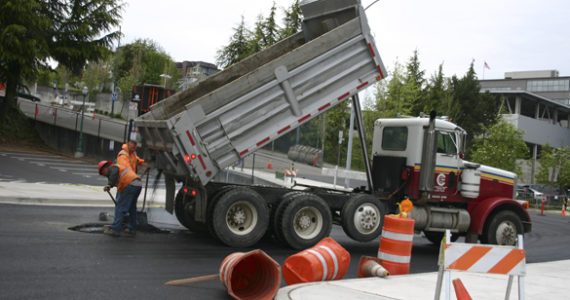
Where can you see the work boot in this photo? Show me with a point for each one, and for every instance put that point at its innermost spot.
(128, 233)
(110, 231)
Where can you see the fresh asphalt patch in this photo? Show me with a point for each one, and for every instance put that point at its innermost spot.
(98, 228)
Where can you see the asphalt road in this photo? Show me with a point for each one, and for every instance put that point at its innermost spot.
(41, 258)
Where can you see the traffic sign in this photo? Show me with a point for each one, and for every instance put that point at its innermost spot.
(114, 96)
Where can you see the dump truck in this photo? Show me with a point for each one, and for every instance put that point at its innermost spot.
(196, 133)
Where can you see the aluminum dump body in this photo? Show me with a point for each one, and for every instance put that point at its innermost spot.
(200, 131)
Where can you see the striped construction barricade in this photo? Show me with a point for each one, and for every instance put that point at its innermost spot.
(477, 258)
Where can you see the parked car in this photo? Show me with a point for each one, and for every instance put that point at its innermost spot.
(526, 191)
(554, 195)
(23, 93)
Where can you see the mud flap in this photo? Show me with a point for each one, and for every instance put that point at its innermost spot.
(170, 193)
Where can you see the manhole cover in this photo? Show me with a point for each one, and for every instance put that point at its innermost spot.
(88, 228)
(98, 228)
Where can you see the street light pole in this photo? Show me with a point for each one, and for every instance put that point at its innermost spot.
(165, 76)
(79, 151)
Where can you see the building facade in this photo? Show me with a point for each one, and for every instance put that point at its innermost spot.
(194, 72)
(537, 102)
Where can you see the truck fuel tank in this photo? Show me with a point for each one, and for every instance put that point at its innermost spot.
(431, 218)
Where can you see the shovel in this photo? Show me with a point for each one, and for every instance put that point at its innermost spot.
(141, 215)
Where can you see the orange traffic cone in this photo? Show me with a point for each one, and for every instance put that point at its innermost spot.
(370, 267)
(460, 290)
(269, 165)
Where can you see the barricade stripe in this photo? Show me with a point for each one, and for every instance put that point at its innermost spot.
(405, 237)
(490, 259)
(510, 261)
(394, 258)
(323, 262)
(454, 251)
(469, 258)
(335, 260)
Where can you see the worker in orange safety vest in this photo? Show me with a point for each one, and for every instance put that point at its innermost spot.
(127, 157)
(129, 187)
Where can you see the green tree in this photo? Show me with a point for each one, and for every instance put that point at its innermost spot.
(415, 85)
(469, 108)
(68, 32)
(245, 42)
(271, 30)
(554, 158)
(500, 146)
(391, 98)
(292, 20)
(438, 94)
(237, 48)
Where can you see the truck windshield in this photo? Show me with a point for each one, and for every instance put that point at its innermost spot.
(446, 143)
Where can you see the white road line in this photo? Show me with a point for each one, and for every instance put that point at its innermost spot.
(46, 159)
(17, 154)
(74, 168)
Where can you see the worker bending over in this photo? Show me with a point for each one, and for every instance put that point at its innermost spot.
(129, 187)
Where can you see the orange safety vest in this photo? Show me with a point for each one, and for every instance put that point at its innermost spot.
(130, 160)
(126, 176)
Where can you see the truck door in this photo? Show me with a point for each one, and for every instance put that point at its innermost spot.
(447, 169)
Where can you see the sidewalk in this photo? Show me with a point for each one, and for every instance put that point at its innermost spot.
(543, 281)
(62, 194)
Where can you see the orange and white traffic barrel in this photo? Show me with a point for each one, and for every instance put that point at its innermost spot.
(327, 260)
(251, 275)
(395, 250)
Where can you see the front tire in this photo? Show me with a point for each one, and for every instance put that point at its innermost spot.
(362, 217)
(503, 229)
(239, 217)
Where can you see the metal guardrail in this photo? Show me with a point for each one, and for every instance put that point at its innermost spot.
(93, 124)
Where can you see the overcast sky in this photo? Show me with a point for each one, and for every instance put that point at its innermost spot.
(509, 35)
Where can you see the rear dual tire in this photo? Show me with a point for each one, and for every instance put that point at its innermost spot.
(302, 220)
(238, 217)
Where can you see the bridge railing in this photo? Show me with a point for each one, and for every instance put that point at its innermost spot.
(93, 124)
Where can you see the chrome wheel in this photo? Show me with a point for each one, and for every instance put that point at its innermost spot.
(241, 218)
(367, 218)
(506, 233)
(308, 222)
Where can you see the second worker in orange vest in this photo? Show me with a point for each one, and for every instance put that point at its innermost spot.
(129, 187)
(127, 157)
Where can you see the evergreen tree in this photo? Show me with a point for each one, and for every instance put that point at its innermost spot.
(438, 94)
(68, 32)
(271, 30)
(469, 108)
(237, 49)
(392, 98)
(292, 21)
(415, 86)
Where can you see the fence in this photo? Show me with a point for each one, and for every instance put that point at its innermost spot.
(100, 127)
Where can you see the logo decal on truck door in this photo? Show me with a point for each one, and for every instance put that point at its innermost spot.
(440, 179)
